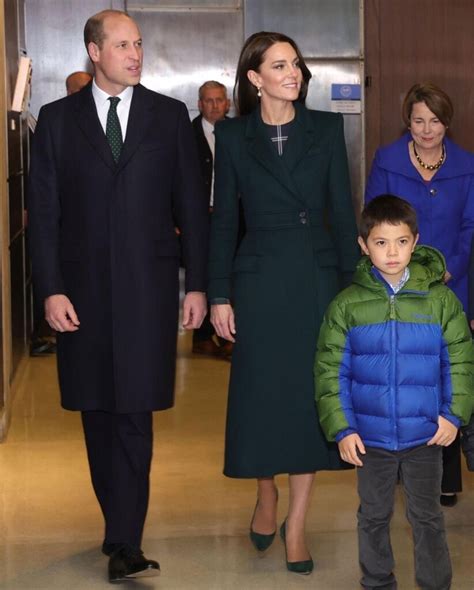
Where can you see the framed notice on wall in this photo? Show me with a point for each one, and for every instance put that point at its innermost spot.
(345, 98)
(21, 96)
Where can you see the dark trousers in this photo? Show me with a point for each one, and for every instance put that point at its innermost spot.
(420, 471)
(452, 476)
(119, 448)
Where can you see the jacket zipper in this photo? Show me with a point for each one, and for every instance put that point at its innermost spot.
(393, 368)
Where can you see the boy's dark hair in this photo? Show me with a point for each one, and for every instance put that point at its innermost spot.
(387, 209)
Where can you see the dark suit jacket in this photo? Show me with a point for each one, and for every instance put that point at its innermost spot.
(205, 155)
(103, 234)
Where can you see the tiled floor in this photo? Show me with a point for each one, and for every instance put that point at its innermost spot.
(50, 525)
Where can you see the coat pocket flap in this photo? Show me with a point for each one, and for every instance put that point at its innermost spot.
(151, 147)
(167, 247)
(71, 252)
(328, 257)
(244, 263)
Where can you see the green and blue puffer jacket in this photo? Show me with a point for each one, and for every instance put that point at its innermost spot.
(388, 365)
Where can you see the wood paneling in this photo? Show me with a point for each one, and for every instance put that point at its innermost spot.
(409, 41)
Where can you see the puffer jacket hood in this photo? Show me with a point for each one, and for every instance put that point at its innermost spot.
(427, 267)
(390, 364)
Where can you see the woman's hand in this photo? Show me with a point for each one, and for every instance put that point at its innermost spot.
(222, 318)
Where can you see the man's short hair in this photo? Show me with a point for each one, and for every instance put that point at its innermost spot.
(94, 27)
(211, 84)
(387, 209)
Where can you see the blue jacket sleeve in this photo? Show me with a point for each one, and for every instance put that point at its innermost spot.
(377, 183)
(459, 264)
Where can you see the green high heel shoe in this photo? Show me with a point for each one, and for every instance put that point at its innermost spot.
(260, 541)
(303, 568)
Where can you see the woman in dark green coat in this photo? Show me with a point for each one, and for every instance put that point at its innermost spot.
(288, 165)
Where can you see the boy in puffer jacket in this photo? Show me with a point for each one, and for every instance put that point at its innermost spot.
(394, 382)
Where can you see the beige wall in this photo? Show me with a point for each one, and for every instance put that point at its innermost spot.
(5, 400)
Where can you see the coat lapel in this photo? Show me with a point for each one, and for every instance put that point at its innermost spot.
(139, 122)
(201, 138)
(88, 121)
(300, 141)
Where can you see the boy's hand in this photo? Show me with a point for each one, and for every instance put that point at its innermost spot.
(445, 434)
(348, 448)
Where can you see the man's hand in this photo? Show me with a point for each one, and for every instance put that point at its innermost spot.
(445, 434)
(194, 310)
(348, 448)
(60, 314)
(223, 320)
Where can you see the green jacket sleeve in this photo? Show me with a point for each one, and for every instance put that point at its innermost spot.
(332, 372)
(457, 367)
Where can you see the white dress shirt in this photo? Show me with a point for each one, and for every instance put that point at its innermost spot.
(102, 104)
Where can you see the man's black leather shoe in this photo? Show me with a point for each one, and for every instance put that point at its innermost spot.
(42, 347)
(127, 563)
(109, 548)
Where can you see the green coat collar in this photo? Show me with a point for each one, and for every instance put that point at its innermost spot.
(301, 142)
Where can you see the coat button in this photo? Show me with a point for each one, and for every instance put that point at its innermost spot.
(302, 213)
(433, 192)
(303, 220)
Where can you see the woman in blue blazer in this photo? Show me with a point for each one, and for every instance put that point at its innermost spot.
(437, 177)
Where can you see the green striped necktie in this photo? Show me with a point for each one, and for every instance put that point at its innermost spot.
(113, 131)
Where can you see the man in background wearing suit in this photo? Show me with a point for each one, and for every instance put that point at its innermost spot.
(213, 105)
(112, 166)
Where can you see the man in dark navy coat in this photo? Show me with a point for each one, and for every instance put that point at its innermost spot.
(108, 179)
(213, 106)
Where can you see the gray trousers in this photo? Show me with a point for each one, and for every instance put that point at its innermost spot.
(420, 472)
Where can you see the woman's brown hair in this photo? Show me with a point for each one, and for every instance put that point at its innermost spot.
(251, 58)
(435, 99)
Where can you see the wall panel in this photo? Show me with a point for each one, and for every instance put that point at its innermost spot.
(322, 28)
(213, 42)
(435, 44)
(54, 31)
